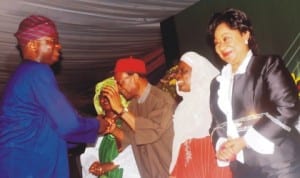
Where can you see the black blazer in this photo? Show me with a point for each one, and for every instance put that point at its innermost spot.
(266, 86)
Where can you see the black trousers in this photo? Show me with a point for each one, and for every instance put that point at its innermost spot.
(74, 160)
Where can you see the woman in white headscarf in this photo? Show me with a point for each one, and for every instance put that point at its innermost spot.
(193, 155)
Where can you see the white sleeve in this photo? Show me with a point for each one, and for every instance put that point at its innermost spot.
(87, 158)
(127, 161)
(258, 142)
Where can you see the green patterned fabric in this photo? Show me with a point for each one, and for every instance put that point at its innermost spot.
(108, 151)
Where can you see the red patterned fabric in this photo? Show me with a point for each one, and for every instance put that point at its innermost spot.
(130, 65)
(202, 162)
(34, 27)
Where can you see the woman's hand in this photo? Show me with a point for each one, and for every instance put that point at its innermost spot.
(99, 169)
(230, 149)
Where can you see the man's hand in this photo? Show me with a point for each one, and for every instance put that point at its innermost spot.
(111, 125)
(113, 95)
(107, 125)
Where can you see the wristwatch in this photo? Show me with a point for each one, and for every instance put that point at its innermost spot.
(123, 111)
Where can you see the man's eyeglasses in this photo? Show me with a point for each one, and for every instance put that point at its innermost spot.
(122, 81)
(50, 41)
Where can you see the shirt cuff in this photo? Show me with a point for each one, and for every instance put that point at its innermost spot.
(258, 142)
(221, 163)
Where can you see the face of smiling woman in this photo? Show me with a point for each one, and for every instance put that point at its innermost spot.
(104, 102)
(184, 77)
(231, 45)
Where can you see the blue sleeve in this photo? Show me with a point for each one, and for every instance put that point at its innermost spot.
(63, 117)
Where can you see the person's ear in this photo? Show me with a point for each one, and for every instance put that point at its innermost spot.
(31, 45)
(246, 36)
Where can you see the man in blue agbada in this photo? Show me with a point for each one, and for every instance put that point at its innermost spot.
(36, 120)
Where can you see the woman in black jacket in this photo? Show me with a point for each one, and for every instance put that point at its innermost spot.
(254, 104)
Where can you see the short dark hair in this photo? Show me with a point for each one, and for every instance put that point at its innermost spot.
(235, 19)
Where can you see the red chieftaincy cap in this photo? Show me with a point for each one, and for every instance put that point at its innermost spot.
(130, 64)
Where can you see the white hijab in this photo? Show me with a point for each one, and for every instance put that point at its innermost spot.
(192, 117)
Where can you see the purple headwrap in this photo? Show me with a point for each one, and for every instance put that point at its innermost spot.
(34, 27)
